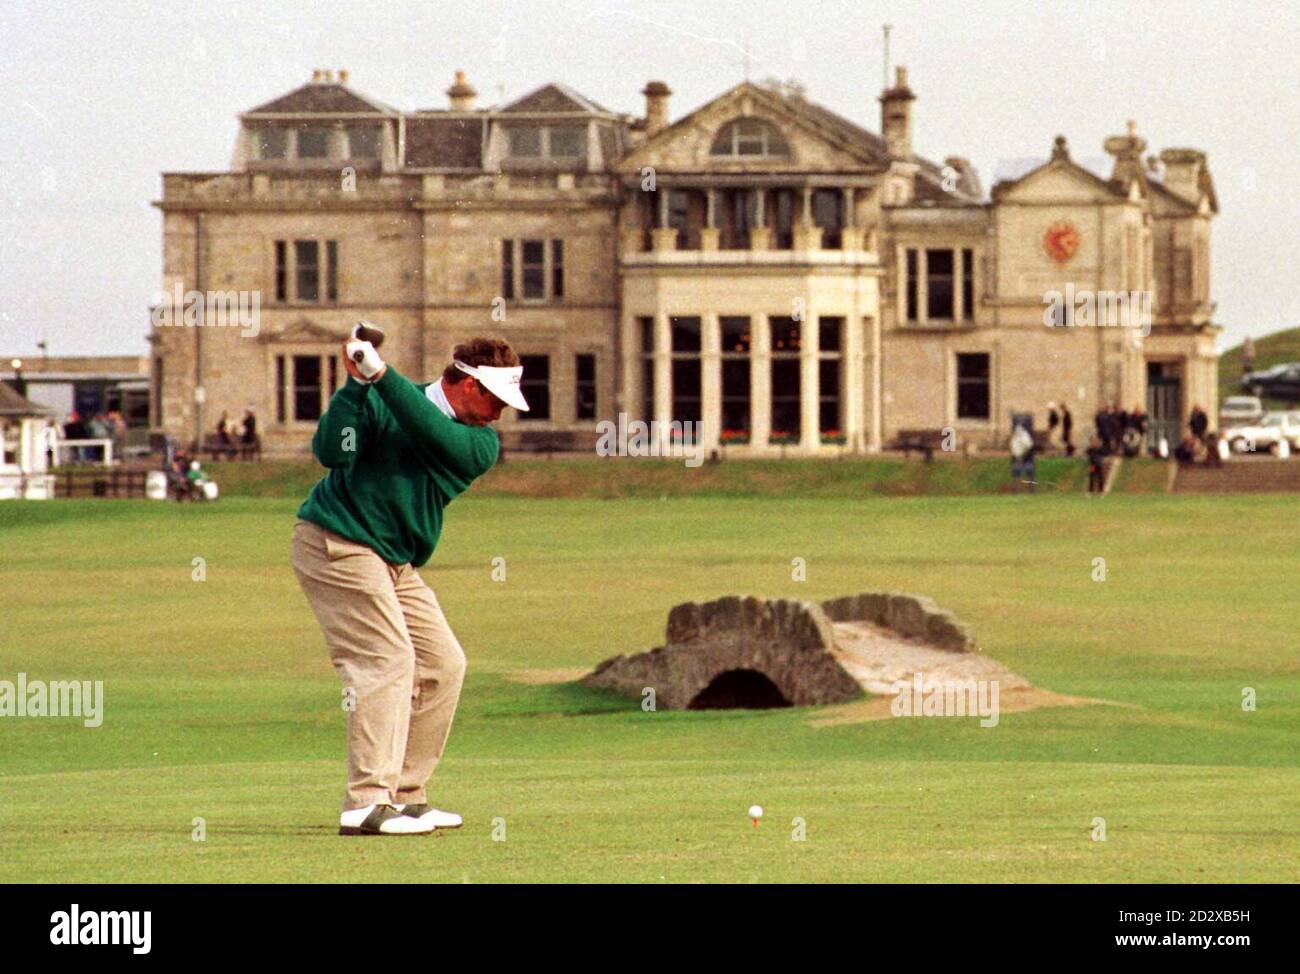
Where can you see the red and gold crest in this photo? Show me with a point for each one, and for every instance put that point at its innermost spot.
(1061, 241)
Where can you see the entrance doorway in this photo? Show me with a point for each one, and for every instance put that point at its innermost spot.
(1165, 402)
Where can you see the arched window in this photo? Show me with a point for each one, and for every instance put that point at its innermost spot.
(750, 137)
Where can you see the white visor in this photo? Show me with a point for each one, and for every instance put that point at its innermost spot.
(501, 381)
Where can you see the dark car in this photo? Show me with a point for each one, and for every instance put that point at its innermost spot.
(1278, 382)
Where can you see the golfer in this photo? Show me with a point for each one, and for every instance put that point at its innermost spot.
(397, 453)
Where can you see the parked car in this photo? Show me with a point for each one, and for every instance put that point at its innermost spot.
(1276, 433)
(1290, 420)
(1237, 410)
(1278, 382)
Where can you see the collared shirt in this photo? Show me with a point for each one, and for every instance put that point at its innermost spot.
(438, 396)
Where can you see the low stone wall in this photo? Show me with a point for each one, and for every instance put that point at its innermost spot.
(788, 641)
(917, 616)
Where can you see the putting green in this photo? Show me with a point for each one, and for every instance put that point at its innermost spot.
(220, 704)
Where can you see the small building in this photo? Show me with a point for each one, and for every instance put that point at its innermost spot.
(86, 385)
(28, 437)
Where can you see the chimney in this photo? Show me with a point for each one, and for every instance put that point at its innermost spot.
(343, 76)
(896, 116)
(968, 179)
(1127, 150)
(461, 94)
(1183, 172)
(316, 76)
(656, 106)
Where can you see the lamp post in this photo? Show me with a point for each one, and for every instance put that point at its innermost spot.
(20, 386)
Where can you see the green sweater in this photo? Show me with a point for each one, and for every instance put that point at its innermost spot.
(393, 474)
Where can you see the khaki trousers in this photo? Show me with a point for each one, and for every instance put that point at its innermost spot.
(401, 665)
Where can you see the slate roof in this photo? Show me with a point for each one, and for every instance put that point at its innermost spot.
(554, 97)
(444, 143)
(318, 97)
(12, 404)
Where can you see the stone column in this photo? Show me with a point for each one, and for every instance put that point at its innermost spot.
(711, 379)
(630, 346)
(809, 382)
(663, 376)
(760, 380)
(922, 292)
(760, 236)
(850, 234)
(709, 234)
(958, 309)
(853, 390)
(806, 234)
(663, 237)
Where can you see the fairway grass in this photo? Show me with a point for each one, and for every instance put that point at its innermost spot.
(220, 705)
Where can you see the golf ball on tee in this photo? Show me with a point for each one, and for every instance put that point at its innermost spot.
(755, 811)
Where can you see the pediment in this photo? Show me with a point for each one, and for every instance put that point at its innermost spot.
(303, 331)
(818, 140)
(1062, 181)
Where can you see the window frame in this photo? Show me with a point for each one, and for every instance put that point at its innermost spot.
(285, 271)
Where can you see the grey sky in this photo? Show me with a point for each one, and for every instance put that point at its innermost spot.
(103, 97)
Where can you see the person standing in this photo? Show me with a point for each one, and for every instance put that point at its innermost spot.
(1096, 471)
(1053, 420)
(1067, 428)
(1198, 422)
(248, 438)
(397, 453)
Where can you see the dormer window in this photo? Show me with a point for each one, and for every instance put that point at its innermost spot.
(548, 142)
(565, 143)
(313, 144)
(273, 144)
(750, 138)
(363, 143)
(526, 142)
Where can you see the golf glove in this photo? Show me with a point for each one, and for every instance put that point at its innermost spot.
(365, 357)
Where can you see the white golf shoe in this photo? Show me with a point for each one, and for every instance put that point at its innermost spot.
(434, 818)
(381, 820)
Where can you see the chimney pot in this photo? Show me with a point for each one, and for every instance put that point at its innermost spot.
(656, 106)
(461, 94)
(896, 116)
(343, 76)
(315, 75)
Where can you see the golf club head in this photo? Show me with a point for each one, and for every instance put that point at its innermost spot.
(367, 332)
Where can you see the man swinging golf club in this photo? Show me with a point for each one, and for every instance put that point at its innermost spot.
(397, 454)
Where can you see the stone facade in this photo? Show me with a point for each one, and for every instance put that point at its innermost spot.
(763, 266)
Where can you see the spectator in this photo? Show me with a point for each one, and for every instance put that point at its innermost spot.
(1101, 426)
(117, 429)
(1199, 422)
(195, 481)
(1096, 472)
(74, 429)
(1190, 450)
(1067, 428)
(1053, 420)
(223, 429)
(248, 439)
(1214, 451)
